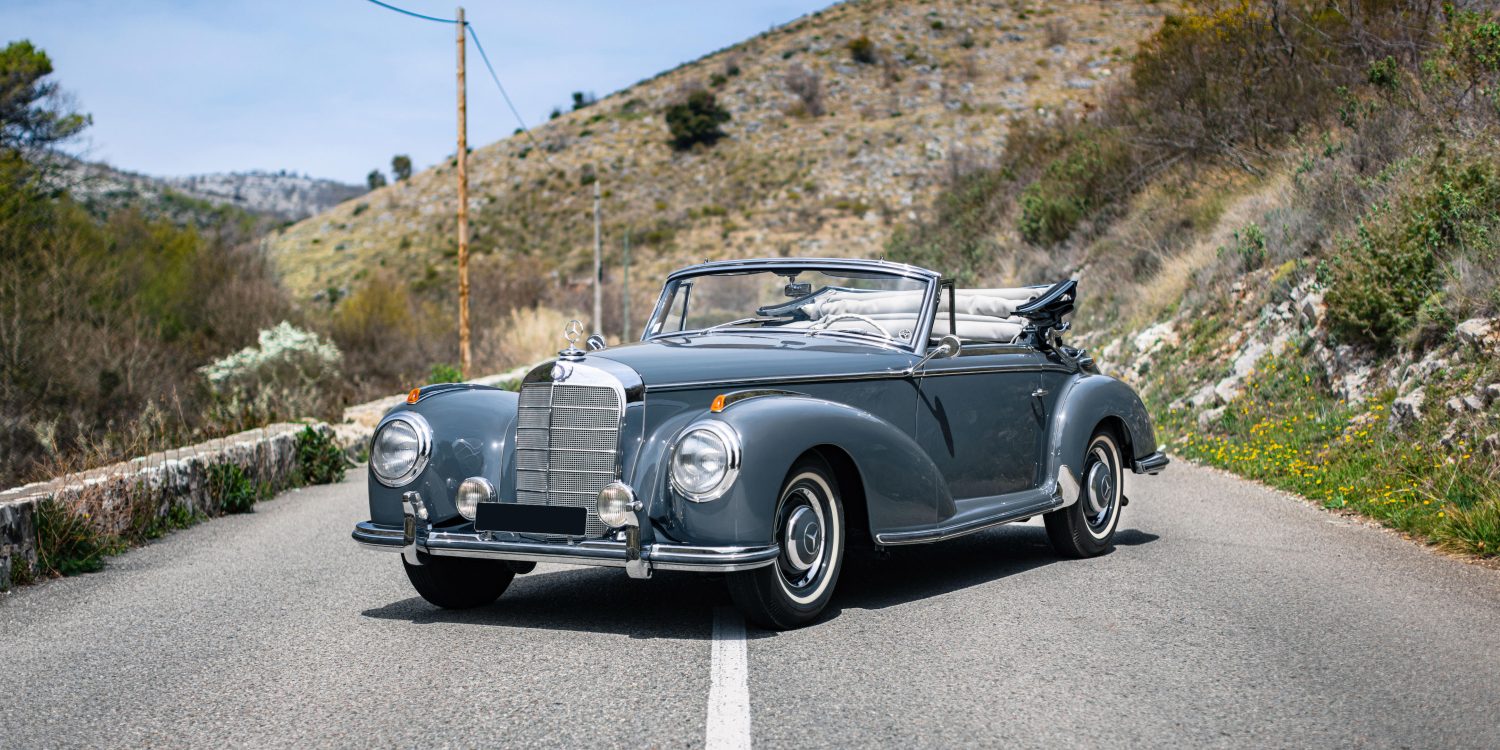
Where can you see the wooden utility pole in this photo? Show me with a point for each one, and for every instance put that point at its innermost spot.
(463, 207)
(598, 267)
(625, 292)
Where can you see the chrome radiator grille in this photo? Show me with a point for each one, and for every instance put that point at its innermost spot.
(566, 440)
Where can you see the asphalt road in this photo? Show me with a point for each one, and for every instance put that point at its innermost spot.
(1227, 616)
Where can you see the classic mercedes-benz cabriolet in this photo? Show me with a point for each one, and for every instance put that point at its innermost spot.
(774, 413)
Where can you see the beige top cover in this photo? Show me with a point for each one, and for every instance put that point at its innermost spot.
(981, 314)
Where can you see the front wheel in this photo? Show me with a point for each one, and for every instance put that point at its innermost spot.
(459, 582)
(810, 531)
(1087, 527)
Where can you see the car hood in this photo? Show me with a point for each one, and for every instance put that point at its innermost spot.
(727, 358)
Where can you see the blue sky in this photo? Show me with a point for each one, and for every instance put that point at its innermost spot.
(334, 88)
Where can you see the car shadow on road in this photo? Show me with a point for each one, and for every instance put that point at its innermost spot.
(918, 572)
(598, 600)
(677, 605)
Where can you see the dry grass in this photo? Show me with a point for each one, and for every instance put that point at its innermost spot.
(882, 143)
(528, 335)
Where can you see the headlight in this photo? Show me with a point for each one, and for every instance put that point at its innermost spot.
(472, 492)
(705, 461)
(617, 505)
(400, 449)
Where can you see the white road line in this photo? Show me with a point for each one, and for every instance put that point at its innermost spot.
(729, 691)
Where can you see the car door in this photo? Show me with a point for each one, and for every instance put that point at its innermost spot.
(980, 419)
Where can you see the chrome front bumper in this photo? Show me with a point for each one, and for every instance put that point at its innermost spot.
(639, 561)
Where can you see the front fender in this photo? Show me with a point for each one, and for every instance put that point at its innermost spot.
(1087, 401)
(471, 431)
(901, 485)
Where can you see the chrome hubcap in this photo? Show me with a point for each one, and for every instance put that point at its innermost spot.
(802, 538)
(1099, 500)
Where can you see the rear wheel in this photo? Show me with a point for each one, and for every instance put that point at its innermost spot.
(1087, 527)
(459, 582)
(809, 527)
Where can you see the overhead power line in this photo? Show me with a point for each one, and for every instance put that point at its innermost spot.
(388, 6)
(487, 66)
(473, 34)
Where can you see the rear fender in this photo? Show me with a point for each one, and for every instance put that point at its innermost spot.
(1087, 401)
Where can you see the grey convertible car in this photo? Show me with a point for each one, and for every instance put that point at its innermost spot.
(774, 414)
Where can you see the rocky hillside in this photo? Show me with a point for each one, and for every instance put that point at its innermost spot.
(277, 195)
(285, 195)
(843, 125)
(1283, 216)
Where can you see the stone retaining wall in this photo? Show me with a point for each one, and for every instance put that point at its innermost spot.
(177, 478)
(156, 483)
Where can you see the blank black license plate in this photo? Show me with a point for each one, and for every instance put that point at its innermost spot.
(531, 519)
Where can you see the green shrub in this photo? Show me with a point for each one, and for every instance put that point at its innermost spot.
(443, 372)
(21, 573)
(1223, 75)
(696, 119)
(319, 459)
(148, 523)
(233, 488)
(1380, 279)
(862, 50)
(1249, 247)
(1090, 174)
(1384, 73)
(67, 543)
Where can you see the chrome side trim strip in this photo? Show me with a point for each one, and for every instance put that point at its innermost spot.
(599, 552)
(845, 377)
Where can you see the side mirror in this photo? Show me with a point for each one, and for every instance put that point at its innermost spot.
(947, 346)
(596, 342)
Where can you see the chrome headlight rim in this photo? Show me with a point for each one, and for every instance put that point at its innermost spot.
(419, 425)
(732, 454)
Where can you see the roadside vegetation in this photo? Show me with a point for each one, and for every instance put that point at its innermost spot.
(1263, 156)
(127, 328)
(80, 534)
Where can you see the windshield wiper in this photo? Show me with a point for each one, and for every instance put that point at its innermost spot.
(742, 321)
(868, 336)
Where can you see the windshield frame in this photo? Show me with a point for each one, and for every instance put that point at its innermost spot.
(919, 342)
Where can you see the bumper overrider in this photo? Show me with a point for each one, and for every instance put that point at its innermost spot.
(639, 560)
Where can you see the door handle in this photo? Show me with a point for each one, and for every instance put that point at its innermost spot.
(1038, 393)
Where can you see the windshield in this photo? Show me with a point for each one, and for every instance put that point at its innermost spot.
(883, 308)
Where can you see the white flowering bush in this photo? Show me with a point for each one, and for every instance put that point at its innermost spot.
(286, 358)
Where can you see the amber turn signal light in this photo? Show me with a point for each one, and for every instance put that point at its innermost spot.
(718, 404)
(416, 393)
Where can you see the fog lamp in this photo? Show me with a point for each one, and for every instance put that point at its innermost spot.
(472, 492)
(617, 505)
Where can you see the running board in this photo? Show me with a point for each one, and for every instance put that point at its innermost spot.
(923, 536)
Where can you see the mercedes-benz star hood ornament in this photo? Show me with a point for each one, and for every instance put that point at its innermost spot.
(572, 332)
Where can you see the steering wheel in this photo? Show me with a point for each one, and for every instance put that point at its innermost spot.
(823, 324)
